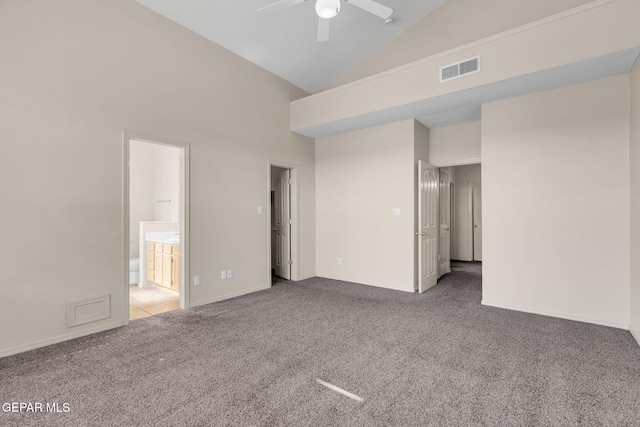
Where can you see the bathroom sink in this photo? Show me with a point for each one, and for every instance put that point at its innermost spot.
(170, 237)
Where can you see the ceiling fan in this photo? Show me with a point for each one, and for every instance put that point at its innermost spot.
(327, 9)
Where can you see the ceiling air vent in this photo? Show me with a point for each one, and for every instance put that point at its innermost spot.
(459, 69)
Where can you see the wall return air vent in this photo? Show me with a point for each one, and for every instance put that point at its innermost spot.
(460, 69)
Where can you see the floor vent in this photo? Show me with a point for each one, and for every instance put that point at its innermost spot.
(460, 69)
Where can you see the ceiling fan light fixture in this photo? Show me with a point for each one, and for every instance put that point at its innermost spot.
(327, 9)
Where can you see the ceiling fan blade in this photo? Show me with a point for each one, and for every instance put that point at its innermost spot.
(280, 5)
(380, 10)
(323, 29)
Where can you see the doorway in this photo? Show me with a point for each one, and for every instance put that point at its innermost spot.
(283, 222)
(444, 255)
(456, 192)
(156, 226)
(476, 220)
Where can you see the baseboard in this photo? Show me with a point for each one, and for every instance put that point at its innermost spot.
(58, 339)
(635, 336)
(304, 278)
(558, 315)
(232, 295)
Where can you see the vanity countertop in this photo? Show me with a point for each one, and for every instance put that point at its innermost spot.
(171, 237)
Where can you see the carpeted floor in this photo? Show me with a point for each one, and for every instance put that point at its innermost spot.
(434, 359)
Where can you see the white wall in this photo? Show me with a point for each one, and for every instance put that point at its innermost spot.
(455, 145)
(635, 201)
(361, 177)
(167, 182)
(462, 177)
(74, 76)
(555, 176)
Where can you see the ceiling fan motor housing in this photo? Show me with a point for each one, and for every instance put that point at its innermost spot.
(327, 9)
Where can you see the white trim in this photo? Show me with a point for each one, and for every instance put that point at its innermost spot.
(295, 230)
(185, 282)
(58, 339)
(635, 336)
(472, 161)
(472, 256)
(233, 295)
(557, 315)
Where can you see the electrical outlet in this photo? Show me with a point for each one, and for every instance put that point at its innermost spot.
(223, 274)
(196, 280)
(339, 261)
(229, 274)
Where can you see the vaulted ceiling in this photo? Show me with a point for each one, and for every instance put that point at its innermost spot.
(284, 41)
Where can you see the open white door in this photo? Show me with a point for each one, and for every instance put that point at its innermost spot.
(427, 226)
(445, 225)
(282, 201)
(476, 205)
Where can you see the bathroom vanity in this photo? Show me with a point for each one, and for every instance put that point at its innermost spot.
(163, 260)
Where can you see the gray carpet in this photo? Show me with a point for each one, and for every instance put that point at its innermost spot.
(436, 359)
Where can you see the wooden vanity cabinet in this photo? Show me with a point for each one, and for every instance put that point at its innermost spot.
(163, 264)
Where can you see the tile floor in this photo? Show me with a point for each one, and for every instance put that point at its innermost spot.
(144, 302)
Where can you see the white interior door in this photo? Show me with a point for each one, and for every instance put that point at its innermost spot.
(444, 266)
(427, 226)
(476, 202)
(282, 203)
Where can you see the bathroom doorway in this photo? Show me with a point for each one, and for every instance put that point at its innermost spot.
(155, 205)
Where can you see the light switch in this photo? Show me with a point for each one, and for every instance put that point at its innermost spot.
(196, 280)
(229, 274)
(223, 274)
(396, 212)
(259, 210)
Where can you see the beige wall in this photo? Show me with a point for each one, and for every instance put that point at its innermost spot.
(453, 24)
(455, 145)
(635, 201)
(361, 177)
(463, 177)
(555, 177)
(74, 75)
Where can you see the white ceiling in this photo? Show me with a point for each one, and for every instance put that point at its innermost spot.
(284, 42)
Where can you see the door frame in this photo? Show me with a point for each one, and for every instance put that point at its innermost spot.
(127, 136)
(420, 202)
(440, 243)
(294, 236)
(471, 228)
